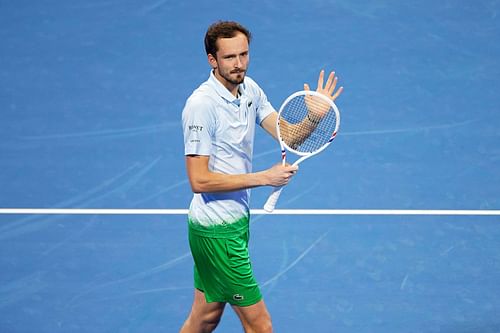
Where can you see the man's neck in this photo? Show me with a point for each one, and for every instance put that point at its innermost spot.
(233, 88)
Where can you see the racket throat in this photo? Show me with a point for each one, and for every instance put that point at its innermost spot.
(283, 156)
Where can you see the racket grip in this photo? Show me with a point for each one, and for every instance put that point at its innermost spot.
(273, 199)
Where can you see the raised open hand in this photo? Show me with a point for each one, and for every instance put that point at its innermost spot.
(316, 106)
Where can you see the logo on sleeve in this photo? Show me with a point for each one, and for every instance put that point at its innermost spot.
(195, 128)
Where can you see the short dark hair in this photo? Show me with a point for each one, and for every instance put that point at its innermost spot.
(223, 29)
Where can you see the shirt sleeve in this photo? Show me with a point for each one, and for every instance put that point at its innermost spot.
(198, 125)
(264, 107)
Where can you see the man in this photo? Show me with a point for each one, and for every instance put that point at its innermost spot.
(219, 124)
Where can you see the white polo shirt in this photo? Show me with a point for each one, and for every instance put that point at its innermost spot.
(221, 126)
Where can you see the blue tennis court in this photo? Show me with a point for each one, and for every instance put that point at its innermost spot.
(91, 94)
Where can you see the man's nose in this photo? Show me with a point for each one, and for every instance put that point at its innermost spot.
(238, 62)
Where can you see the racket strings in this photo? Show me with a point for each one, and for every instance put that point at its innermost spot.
(309, 123)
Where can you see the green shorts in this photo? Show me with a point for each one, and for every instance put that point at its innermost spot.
(222, 269)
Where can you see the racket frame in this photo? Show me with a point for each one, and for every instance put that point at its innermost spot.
(305, 155)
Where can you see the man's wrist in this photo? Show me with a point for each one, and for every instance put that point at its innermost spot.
(313, 120)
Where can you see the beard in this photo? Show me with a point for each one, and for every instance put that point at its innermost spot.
(234, 76)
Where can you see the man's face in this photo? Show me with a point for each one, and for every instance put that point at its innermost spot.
(231, 61)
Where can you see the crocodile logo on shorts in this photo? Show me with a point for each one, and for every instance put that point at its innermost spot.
(238, 297)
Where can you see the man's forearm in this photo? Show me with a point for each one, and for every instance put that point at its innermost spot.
(218, 182)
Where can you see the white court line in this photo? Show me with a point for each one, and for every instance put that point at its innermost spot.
(106, 211)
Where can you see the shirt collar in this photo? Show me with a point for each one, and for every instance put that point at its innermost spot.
(223, 92)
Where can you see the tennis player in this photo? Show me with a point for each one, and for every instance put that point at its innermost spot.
(219, 121)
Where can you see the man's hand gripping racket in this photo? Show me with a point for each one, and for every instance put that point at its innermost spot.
(307, 123)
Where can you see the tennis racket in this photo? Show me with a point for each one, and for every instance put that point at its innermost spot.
(307, 123)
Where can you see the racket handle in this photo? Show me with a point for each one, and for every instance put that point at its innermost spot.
(273, 199)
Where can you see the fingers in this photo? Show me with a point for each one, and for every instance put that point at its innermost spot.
(291, 166)
(339, 91)
(320, 79)
(327, 88)
(289, 172)
(282, 174)
(292, 169)
(331, 83)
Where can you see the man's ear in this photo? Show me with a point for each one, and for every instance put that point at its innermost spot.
(212, 61)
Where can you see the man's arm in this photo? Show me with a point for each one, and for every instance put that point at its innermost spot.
(204, 180)
(292, 134)
(302, 130)
(269, 124)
